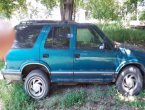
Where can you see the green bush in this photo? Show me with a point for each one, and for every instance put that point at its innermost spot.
(120, 34)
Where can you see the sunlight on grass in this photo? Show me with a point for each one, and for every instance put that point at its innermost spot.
(137, 102)
(129, 98)
(14, 98)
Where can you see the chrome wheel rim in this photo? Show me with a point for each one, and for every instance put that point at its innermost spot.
(129, 82)
(36, 87)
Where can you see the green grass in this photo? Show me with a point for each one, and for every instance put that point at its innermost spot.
(120, 34)
(100, 98)
(13, 97)
(66, 100)
(1, 63)
(74, 98)
(137, 102)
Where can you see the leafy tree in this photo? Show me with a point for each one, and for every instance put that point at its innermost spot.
(142, 16)
(8, 6)
(100, 9)
(132, 6)
(67, 7)
(103, 9)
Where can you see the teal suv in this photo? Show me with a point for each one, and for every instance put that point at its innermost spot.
(46, 52)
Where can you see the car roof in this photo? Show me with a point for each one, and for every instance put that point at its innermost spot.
(52, 22)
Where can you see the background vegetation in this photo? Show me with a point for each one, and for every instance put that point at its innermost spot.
(120, 34)
(106, 10)
(79, 97)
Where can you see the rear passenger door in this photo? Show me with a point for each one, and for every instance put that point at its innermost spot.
(57, 53)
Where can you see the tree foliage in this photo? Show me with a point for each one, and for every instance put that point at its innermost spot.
(99, 9)
(133, 2)
(50, 4)
(142, 16)
(67, 7)
(8, 6)
(131, 7)
(103, 9)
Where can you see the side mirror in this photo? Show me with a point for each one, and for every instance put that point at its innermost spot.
(102, 46)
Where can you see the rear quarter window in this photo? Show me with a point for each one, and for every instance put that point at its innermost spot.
(26, 36)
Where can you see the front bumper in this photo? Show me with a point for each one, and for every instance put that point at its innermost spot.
(7, 75)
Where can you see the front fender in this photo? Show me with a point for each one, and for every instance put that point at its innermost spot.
(125, 63)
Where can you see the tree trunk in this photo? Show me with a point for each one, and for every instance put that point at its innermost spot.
(66, 9)
(137, 16)
(74, 11)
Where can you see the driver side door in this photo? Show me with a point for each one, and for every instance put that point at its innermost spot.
(93, 62)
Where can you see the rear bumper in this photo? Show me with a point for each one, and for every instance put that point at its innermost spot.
(7, 75)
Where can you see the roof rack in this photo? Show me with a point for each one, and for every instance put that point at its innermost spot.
(43, 22)
(37, 21)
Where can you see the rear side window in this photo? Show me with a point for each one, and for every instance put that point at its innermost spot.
(26, 36)
(58, 37)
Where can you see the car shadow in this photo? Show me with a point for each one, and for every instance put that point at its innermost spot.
(61, 88)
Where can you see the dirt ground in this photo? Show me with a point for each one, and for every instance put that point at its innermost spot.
(99, 97)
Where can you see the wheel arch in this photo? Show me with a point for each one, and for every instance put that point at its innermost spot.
(25, 69)
(138, 65)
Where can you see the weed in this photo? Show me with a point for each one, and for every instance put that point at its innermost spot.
(52, 102)
(74, 98)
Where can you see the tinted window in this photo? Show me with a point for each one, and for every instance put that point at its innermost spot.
(58, 37)
(26, 36)
(88, 39)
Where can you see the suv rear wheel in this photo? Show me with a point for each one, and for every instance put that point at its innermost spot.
(130, 81)
(37, 84)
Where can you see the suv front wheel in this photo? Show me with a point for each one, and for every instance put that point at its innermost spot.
(37, 84)
(130, 81)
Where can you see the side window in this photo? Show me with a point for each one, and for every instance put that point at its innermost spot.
(58, 37)
(26, 36)
(88, 39)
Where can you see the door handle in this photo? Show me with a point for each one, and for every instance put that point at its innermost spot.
(77, 55)
(45, 55)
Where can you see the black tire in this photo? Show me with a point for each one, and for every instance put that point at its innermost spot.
(130, 81)
(37, 84)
